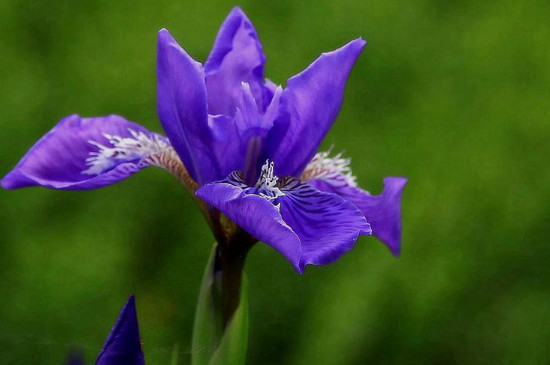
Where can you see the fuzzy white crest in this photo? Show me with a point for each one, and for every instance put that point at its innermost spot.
(334, 170)
(125, 149)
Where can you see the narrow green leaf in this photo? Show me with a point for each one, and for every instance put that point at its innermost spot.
(208, 326)
(175, 352)
(211, 345)
(232, 348)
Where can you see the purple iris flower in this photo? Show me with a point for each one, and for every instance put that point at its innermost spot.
(123, 346)
(245, 146)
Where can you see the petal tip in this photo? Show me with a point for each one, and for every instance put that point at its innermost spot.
(397, 181)
(360, 42)
(123, 342)
(357, 45)
(367, 231)
(8, 182)
(237, 13)
(396, 251)
(16, 180)
(237, 10)
(131, 300)
(164, 36)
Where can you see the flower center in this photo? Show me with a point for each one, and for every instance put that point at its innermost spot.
(267, 182)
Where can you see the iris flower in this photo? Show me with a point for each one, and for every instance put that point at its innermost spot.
(247, 148)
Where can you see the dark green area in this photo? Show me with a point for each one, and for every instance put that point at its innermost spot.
(454, 95)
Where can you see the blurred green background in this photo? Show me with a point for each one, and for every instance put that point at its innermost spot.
(452, 94)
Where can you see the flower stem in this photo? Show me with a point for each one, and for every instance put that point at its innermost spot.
(231, 257)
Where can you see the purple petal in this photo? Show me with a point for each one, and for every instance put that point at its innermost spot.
(249, 119)
(123, 346)
(328, 226)
(272, 111)
(312, 100)
(61, 159)
(236, 57)
(247, 116)
(181, 102)
(382, 211)
(306, 225)
(253, 127)
(254, 214)
(226, 147)
(231, 145)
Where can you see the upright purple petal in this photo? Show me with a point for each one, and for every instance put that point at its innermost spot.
(226, 144)
(312, 99)
(123, 346)
(327, 225)
(238, 142)
(382, 211)
(272, 111)
(181, 102)
(254, 214)
(248, 117)
(235, 57)
(78, 154)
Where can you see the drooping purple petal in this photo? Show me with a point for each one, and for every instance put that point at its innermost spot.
(382, 211)
(182, 108)
(328, 226)
(123, 346)
(254, 214)
(86, 153)
(235, 57)
(312, 99)
(304, 224)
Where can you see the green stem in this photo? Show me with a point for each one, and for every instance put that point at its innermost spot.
(232, 256)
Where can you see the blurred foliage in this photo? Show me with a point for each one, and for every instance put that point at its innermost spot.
(452, 94)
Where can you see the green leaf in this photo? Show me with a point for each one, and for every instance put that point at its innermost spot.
(208, 327)
(175, 352)
(211, 345)
(232, 348)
